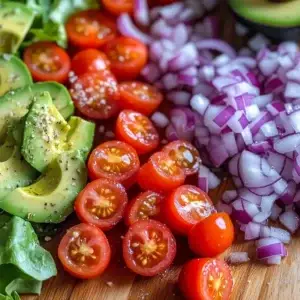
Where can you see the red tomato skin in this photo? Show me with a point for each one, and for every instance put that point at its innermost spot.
(122, 133)
(130, 101)
(191, 276)
(116, 9)
(61, 76)
(127, 70)
(138, 227)
(175, 221)
(89, 60)
(106, 254)
(212, 236)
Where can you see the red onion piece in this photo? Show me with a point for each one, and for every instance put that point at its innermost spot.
(141, 12)
(238, 257)
(218, 45)
(127, 28)
(264, 252)
(160, 119)
(290, 220)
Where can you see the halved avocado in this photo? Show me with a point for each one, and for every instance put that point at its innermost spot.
(50, 199)
(14, 170)
(15, 21)
(44, 133)
(13, 74)
(279, 20)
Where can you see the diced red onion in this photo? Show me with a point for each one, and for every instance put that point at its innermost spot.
(160, 119)
(141, 12)
(290, 220)
(238, 257)
(258, 42)
(223, 207)
(218, 45)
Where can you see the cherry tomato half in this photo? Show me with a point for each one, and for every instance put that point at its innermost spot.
(140, 97)
(47, 62)
(185, 207)
(96, 95)
(212, 236)
(117, 7)
(185, 154)
(206, 279)
(127, 56)
(116, 161)
(90, 60)
(90, 29)
(84, 251)
(149, 247)
(160, 174)
(101, 203)
(137, 130)
(146, 205)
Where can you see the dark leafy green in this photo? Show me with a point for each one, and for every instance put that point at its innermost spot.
(24, 264)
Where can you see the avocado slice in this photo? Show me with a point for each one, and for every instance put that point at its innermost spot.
(50, 199)
(59, 94)
(44, 134)
(13, 73)
(15, 104)
(15, 21)
(279, 20)
(14, 170)
(80, 136)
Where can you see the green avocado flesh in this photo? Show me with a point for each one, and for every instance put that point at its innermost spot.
(50, 199)
(266, 12)
(15, 21)
(14, 170)
(14, 105)
(13, 74)
(47, 134)
(44, 134)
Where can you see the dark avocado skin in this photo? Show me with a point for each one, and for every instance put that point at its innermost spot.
(277, 34)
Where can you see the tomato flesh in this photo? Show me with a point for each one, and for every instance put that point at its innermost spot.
(140, 97)
(84, 251)
(90, 60)
(90, 29)
(185, 207)
(137, 130)
(212, 236)
(47, 62)
(114, 160)
(117, 7)
(96, 95)
(101, 203)
(186, 156)
(206, 279)
(160, 174)
(146, 205)
(149, 248)
(127, 56)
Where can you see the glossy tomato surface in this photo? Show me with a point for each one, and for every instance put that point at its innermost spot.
(137, 130)
(96, 95)
(160, 174)
(147, 205)
(212, 236)
(128, 57)
(101, 203)
(206, 279)
(84, 251)
(139, 96)
(116, 161)
(89, 60)
(90, 29)
(185, 155)
(186, 206)
(149, 248)
(117, 7)
(47, 62)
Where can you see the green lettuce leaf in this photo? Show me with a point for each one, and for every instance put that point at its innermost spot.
(24, 264)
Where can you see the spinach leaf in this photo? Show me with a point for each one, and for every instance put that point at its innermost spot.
(19, 246)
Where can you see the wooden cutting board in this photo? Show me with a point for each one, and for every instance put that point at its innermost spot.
(252, 281)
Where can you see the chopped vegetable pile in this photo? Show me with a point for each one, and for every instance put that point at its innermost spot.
(176, 111)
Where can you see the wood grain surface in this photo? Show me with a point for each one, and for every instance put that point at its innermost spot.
(252, 281)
